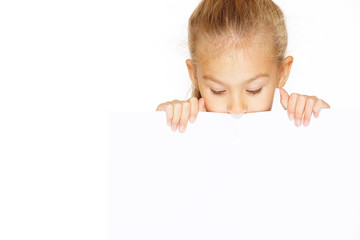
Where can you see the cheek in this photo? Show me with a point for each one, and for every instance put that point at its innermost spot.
(214, 103)
(263, 102)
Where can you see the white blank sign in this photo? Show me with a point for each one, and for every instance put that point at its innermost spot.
(257, 176)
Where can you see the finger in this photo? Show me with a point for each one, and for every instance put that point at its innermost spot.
(169, 113)
(299, 109)
(320, 104)
(284, 98)
(291, 105)
(177, 115)
(310, 102)
(185, 112)
(194, 108)
(202, 107)
(160, 107)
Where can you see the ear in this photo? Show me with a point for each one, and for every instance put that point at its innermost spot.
(285, 71)
(192, 72)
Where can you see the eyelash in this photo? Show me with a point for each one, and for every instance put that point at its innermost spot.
(255, 92)
(251, 92)
(217, 92)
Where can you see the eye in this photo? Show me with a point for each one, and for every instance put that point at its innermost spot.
(217, 92)
(255, 92)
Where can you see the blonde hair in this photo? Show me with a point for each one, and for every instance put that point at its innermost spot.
(235, 23)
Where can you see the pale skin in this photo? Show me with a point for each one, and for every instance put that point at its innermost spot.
(228, 85)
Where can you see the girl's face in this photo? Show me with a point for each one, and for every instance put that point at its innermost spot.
(239, 82)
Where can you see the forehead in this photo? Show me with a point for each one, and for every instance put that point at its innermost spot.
(247, 51)
(212, 46)
(247, 61)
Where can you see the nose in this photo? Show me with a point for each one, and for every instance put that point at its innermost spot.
(236, 107)
(236, 110)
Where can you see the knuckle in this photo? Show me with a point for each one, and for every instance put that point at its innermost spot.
(302, 97)
(191, 99)
(311, 101)
(294, 95)
(177, 105)
(186, 104)
(194, 99)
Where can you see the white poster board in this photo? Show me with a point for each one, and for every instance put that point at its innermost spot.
(253, 177)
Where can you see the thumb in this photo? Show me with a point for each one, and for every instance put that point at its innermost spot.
(202, 107)
(284, 98)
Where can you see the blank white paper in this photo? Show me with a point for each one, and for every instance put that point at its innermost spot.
(257, 176)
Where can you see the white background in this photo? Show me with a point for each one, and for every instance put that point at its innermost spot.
(65, 64)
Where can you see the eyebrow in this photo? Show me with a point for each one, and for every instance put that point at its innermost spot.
(208, 77)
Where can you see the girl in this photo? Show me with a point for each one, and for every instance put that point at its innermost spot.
(237, 50)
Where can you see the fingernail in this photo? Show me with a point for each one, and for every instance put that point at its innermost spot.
(169, 122)
(173, 127)
(192, 119)
(297, 122)
(306, 123)
(291, 116)
(182, 129)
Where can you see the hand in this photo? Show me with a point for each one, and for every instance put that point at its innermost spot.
(179, 112)
(297, 105)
